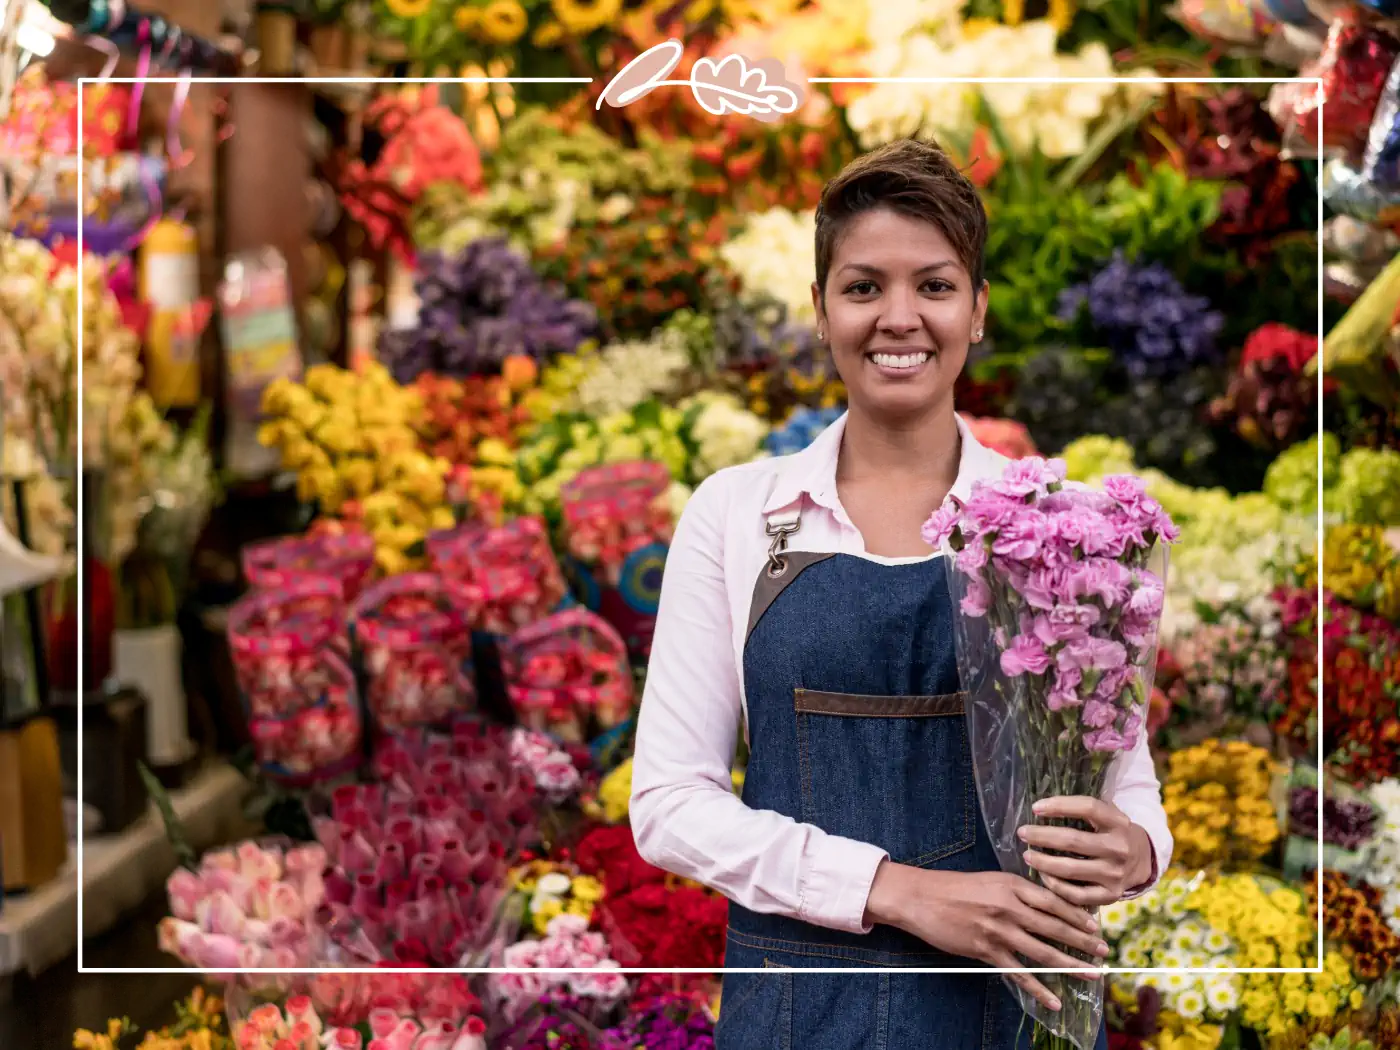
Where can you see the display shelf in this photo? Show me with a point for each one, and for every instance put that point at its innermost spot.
(39, 929)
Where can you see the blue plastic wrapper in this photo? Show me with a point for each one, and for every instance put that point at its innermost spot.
(1381, 165)
(1290, 12)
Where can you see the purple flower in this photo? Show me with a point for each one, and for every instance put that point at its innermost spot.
(1041, 588)
(1146, 599)
(1064, 623)
(1062, 695)
(1132, 728)
(1090, 653)
(1021, 538)
(1101, 578)
(941, 524)
(1024, 655)
(1106, 739)
(989, 512)
(1098, 714)
(977, 600)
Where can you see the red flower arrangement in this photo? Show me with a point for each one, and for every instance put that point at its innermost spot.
(651, 919)
(614, 510)
(1269, 399)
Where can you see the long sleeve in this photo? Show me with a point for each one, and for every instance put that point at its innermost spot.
(1136, 791)
(685, 815)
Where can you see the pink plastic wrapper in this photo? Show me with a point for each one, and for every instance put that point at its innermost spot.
(348, 559)
(568, 675)
(279, 641)
(413, 634)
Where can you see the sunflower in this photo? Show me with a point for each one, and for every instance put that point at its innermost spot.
(503, 21)
(408, 8)
(580, 17)
(466, 18)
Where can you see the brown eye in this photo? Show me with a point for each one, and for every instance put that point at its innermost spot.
(861, 288)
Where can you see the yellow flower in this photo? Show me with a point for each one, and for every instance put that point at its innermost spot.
(581, 17)
(615, 793)
(503, 21)
(547, 910)
(586, 888)
(466, 17)
(547, 35)
(408, 8)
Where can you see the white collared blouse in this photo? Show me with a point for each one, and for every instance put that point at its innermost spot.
(684, 813)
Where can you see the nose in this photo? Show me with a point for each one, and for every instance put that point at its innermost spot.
(900, 315)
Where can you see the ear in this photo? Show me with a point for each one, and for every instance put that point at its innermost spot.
(979, 308)
(818, 305)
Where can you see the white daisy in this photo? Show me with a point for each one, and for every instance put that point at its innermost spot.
(1190, 1004)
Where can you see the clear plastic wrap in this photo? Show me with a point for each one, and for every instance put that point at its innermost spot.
(1057, 598)
(568, 675)
(347, 558)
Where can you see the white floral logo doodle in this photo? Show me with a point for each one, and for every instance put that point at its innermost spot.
(734, 84)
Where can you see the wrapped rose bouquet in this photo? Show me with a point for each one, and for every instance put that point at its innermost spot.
(1058, 593)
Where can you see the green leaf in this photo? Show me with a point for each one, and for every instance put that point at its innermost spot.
(174, 829)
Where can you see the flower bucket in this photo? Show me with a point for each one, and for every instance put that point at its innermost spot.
(617, 531)
(568, 675)
(413, 645)
(347, 558)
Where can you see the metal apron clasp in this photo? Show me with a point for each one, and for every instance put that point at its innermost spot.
(780, 526)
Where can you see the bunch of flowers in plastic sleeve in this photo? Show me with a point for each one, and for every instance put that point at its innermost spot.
(289, 650)
(298, 1025)
(567, 674)
(568, 943)
(251, 905)
(345, 1000)
(420, 857)
(554, 770)
(512, 567)
(347, 559)
(1157, 931)
(1056, 616)
(614, 510)
(1149, 321)
(1217, 799)
(413, 634)
(480, 307)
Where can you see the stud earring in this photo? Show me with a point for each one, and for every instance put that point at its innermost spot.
(977, 336)
(821, 333)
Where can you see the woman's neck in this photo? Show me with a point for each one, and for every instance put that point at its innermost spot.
(925, 450)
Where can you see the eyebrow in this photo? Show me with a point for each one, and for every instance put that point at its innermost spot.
(877, 272)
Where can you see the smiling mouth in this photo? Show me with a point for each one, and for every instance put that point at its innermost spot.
(905, 359)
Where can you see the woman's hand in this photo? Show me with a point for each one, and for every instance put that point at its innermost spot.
(1109, 861)
(989, 916)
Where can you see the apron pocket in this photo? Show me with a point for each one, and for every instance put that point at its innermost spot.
(894, 771)
(758, 1013)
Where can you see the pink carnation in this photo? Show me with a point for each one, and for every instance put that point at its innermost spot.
(941, 524)
(1025, 655)
(977, 600)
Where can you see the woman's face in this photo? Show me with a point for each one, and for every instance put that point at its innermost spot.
(899, 314)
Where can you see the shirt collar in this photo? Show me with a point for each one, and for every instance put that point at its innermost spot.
(812, 472)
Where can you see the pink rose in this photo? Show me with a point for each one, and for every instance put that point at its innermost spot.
(344, 1039)
(404, 1035)
(472, 1036)
(285, 902)
(222, 915)
(306, 859)
(1026, 655)
(185, 890)
(268, 1020)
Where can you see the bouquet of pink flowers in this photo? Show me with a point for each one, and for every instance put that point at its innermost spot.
(420, 858)
(567, 944)
(1058, 593)
(300, 1025)
(251, 905)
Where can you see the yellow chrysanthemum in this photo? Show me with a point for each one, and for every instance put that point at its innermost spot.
(408, 8)
(503, 21)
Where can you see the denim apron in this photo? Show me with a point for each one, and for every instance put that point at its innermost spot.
(855, 725)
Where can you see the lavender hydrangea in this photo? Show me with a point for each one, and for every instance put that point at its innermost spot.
(1147, 319)
(480, 306)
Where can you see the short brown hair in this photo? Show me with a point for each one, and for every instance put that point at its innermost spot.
(915, 179)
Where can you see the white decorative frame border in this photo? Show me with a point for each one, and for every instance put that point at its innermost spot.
(780, 107)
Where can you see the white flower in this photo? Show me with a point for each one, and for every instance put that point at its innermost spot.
(1216, 941)
(1190, 1003)
(1113, 920)
(1175, 982)
(1222, 994)
(553, 884)
(775, 255)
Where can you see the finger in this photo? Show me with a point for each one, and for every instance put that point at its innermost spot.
(1089, 896)
(1026, 982)
(1068, 840)
(1077, 807)
(1071, 935)
(1097, 871)
(1048, 955)
(1045, 900)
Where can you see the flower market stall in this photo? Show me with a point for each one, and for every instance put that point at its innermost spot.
(527, 324)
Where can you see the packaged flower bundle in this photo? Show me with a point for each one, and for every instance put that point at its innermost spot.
(419, 857)
(617, 528)
(413, 638)
(553, 770)
(664, 1019)
(297, 1025)
(568, 675)
(1055, 623)
(513, 565)
(567, 944)
(346, 558)
(289, 650)
(1217, 798)
(251, 905)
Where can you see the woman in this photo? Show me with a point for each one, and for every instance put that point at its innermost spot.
(800, 598)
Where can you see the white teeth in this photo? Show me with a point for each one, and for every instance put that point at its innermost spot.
(900, 360)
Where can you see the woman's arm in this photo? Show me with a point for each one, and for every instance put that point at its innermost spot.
(685, 815)
(1137, 792)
